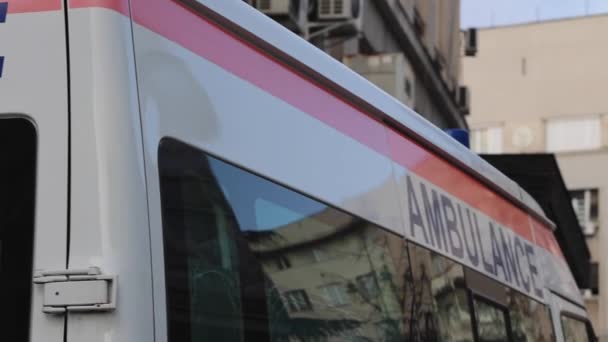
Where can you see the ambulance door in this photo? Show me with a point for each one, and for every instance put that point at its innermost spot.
(34, 143)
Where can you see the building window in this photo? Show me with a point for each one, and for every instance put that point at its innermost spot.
(297, 300)
(318, 254)
(529, 319)
(436, 298)
(224, 230)
(335, 295)
(368, 285)
(283, 263)
(491, 321)
(573, 134)
(487, 140)
(585, 204)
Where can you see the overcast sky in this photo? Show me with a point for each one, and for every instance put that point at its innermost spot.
(484, 13)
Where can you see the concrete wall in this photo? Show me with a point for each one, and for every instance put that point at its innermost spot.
(527, 74)
(539, 71)
(440, 36)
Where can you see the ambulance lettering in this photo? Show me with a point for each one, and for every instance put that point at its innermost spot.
(453, 228)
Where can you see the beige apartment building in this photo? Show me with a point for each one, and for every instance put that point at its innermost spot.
(543, 87)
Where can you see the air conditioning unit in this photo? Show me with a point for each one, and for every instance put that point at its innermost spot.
(290, 13)
(272, 7)
(470, 42)
(337, 9)
(464, 100)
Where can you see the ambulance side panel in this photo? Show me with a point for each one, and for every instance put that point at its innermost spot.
(33, 85)
(109, 217)
(222, 93)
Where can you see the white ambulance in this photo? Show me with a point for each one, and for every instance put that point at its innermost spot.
(183, 170)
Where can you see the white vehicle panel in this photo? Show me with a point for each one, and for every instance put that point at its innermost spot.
(341, 75)
(559, 307)
(109, 207)
(195, 98)
(190, 93)
(557, 276)
(239, 122)
(445, 224)
(34, 85)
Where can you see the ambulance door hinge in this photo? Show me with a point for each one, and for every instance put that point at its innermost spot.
(77, 290)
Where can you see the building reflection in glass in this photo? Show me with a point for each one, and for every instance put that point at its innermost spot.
(249, 260)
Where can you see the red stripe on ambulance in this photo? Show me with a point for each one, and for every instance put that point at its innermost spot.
(184, 27)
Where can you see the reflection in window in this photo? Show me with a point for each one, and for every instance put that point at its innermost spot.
(436, 298)
(297, 300)
(335, 295)
(574, 330)
(224, 230)
(530, 320)
(368, 285)
(283, 262)
(491, 322)
(318, 255)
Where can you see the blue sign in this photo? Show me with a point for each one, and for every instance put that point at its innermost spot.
(3, 10)
(461, 135)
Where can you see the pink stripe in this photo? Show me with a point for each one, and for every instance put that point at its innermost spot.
(546, 239)
(414, 157)
(178, 24)
(224, 50)
(25, 6)
(120, 6)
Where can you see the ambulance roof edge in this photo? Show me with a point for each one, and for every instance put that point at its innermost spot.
(402, 117)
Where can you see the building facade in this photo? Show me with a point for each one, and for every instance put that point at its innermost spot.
(409, 48)
(541, 87)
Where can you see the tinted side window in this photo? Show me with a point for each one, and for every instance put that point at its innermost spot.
(575, 330)
(437, 298)
(17, 199)
(502, 312)
(249, 260)
(530, 320)
(491, 322)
